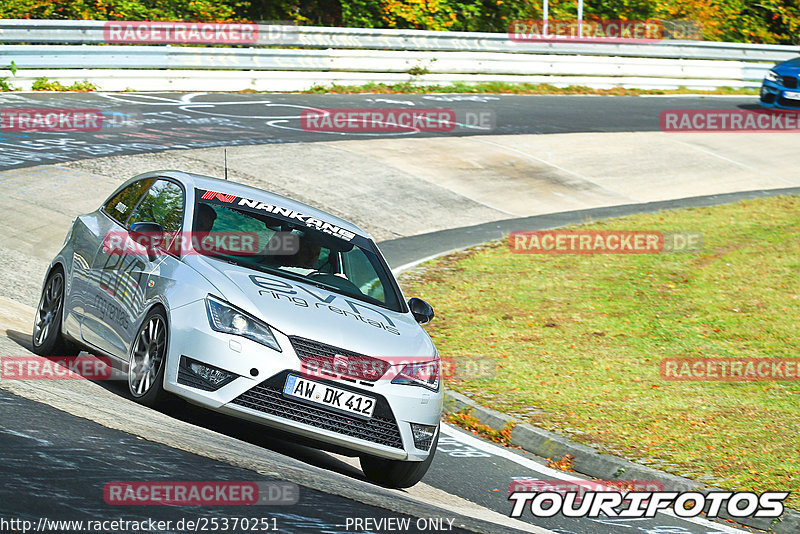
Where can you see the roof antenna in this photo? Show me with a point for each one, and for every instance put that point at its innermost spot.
(225, 156)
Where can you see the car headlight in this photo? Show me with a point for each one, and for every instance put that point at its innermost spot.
(772, 76)
(224, 318)
(419, 374)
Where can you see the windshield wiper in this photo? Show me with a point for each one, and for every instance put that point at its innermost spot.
(221, 258)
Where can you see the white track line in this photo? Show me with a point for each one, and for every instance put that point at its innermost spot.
(502, 452)
(697, 95)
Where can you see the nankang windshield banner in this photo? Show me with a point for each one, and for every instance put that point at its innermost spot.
(282, 213)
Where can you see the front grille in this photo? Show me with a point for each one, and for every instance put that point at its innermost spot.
(790, 82)
(319, 358)
(786, 102)
(268, 398)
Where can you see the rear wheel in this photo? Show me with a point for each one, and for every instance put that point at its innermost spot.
(47, 337)
(148, 360)
(397, 473)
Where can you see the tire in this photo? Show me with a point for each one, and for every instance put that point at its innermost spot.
(47, 339)
(148, 360)
(397, 473)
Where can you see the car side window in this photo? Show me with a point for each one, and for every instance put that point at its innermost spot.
(163, 204)
(120, 206)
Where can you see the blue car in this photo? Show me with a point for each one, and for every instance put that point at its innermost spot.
(781, 86)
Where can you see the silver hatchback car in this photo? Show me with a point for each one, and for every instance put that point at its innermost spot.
(255, 306)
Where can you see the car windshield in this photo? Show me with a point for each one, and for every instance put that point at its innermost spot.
(293, 250)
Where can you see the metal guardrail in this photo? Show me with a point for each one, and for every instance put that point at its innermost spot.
(298, 57)
(271, 81)
(91, 32)
(384, 61)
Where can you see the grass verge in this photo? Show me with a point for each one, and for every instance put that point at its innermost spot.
(578, 340)
(411, 87)
(44, 84)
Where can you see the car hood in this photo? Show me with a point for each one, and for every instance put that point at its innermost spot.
(788, 68)
(299, 309)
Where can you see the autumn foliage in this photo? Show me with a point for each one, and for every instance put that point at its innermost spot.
(766, 21)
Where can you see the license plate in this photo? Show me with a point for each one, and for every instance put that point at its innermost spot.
(791, 95)
(329, 396)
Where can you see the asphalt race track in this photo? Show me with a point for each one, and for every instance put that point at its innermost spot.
(62, 442)
(74, 458)
(137, 123)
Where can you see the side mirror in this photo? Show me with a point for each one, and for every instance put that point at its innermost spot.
(421, 310)
(149, 235)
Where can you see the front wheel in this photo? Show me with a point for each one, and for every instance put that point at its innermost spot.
(148, 360)
(47, 337)
(397, 473)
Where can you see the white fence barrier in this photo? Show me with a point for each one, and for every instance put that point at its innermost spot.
(353, 55)
(91, 32)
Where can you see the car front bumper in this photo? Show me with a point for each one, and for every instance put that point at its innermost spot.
(774, 95)
(256, 392)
